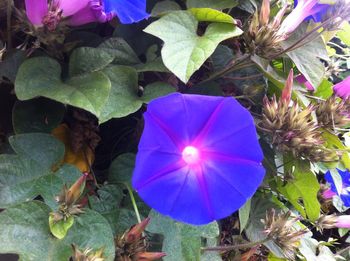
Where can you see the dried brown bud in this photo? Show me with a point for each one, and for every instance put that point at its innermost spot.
(333, 113)
(87, 255)
(281, 229)
(131, 246)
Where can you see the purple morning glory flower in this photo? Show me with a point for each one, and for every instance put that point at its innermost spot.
(344, 193)
(342, 89)
(303, 9)
(199, 158)
(319, 10)
(79, 12)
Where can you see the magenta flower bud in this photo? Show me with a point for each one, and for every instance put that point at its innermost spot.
(329, 193)
(342, 89)
(343, 221)
(199, 158)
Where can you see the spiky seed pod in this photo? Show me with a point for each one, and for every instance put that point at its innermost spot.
(292, 129)
(333, 113)
(262, 37)
(281, 229)
(131, 246)
(326, 222)
(67, 199)
(87, 255)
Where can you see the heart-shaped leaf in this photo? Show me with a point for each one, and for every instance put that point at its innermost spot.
(184, 51)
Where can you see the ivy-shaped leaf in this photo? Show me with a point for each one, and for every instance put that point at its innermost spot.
(37, 115)
(181, 241)
(307, 57)
(123, 98)
(184, 51)
(41, 76)
(25, 231)
(217, 4)
(211, 15)
(302, 192)
(30, 173)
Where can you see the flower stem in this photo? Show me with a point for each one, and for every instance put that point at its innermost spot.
(8, 22)
(233, 66)
(133, 201)
(232, 247)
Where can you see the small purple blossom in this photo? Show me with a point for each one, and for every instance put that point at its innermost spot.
(302, 80)
(199, 158)
(344, 192)
(303, 9)
(343, 221)
(342, 89)
(80, 12)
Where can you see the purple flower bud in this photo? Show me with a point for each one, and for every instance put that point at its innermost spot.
(343, 221)
(342, 89)
(199, 158)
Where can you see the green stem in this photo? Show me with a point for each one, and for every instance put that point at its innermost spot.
(133, 201)
(240, 246)
(233, 66)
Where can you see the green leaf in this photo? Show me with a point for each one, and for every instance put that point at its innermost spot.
(120, 51)
(60, 229)
(184, 51)
(50, 186)
(29, 173)
(41, 76)
(25, 231)
(307, 57)
(10, 64)
(244, 214)
(217, 4)
(302, 191)
(325, 90)
(91, 230)
(121, 169)
(211, 15)
(37, 115)
(344, 33)
(123, 99)
(42, 149)
(164, 7)
(87, 59)
(255, 228)
(181, 241)
(333, 142)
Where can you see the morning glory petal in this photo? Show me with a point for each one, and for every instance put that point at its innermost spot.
(199, 159)
(36, 11)
(70, 7)
(128, 11)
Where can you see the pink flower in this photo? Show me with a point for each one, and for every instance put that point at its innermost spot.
(343, 221)
(302, 80)
(342, 89)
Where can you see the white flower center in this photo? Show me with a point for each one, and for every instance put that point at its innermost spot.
(190, 155)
